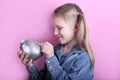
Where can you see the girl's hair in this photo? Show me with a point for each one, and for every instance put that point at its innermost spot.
(82, 35)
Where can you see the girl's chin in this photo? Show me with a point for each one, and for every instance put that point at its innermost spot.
(62, 42)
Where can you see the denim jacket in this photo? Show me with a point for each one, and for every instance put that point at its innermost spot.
(74, 65)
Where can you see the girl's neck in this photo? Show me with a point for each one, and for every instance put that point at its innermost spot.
(68, 46)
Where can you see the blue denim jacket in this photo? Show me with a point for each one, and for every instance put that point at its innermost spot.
(75, 65)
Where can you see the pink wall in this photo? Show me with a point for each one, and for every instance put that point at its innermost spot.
(23, 19)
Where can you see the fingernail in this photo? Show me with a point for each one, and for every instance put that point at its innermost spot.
(20, 52)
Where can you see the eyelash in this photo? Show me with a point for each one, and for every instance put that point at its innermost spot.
(59, 28)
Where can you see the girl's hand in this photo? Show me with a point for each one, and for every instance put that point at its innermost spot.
(47, 49)
(25, 59)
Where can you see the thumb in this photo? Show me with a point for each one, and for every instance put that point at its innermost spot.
(40, 44)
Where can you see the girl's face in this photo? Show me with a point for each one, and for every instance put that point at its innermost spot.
(64, 30)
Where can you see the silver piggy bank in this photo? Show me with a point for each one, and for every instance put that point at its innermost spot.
(31, 48)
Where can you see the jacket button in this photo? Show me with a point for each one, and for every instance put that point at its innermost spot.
(50, 67)
(48, 61)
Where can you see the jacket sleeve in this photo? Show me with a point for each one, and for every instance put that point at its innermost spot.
(81, 70)
(34, 74)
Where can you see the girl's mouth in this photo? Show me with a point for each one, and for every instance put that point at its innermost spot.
(60, 37)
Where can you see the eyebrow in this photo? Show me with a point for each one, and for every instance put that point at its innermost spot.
(58, 26)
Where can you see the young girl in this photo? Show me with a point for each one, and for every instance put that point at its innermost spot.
(73, 58)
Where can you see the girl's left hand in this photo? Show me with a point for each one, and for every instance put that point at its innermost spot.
(47, 49)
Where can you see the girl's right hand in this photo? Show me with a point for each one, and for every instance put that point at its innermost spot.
(25, 59)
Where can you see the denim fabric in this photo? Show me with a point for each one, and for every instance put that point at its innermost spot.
(74, 65)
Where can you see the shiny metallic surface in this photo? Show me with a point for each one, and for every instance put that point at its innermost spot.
(31, 48)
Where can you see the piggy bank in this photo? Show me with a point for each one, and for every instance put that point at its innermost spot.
(31, 48)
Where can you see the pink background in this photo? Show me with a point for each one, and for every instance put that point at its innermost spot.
(23, 19)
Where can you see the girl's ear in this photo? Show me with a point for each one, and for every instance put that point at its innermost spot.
(76, 27)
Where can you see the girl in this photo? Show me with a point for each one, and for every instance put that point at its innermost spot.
(73, 58)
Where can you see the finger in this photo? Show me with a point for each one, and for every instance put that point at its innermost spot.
(25, 60)
(40, 44)
(48, 43)
(19, 53)
(22, 55)
(29, 64)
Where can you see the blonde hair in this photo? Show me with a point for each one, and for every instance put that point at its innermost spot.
(82, 37)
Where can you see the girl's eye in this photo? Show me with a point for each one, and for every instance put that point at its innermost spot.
(60, 28)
